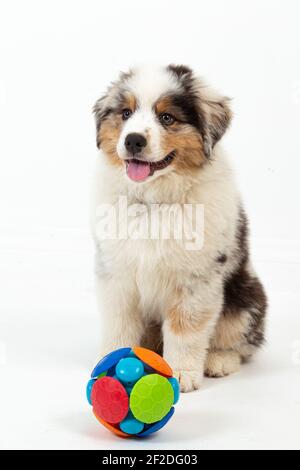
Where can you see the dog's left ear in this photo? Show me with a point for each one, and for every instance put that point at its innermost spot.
(217, 116)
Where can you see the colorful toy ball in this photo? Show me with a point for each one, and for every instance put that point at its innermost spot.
(132, 392)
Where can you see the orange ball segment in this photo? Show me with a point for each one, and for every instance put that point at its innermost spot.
(111, 428)
(155, 361)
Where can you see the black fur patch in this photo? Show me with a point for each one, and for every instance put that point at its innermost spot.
(188, 100)
(211, 128)
(187, 103)
(181, 71)
(222, 259)
(244, 292)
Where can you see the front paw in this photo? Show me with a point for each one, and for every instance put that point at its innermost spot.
(189, 379)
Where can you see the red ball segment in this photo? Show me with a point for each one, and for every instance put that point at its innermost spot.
(110, 400)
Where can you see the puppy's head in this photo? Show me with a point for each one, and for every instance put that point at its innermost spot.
(151, 122)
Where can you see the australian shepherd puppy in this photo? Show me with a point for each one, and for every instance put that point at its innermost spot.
(159, 132)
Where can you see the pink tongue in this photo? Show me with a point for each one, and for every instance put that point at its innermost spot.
(138, 171)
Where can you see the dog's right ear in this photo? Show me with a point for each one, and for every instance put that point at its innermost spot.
(110, 101)
(101, 110)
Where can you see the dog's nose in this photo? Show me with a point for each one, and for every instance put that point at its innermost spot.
(135, 143)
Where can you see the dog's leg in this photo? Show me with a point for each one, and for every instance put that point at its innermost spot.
(121, 320)
(239, 332)
(187, 330)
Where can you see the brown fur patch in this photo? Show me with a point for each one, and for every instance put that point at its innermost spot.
(182, 323)
(110, 129)
(166, 105)
(188, 145)
(108, 137)
(129, 102)
(180, 136)
(162, 105)
(230, 331)
(152, 338)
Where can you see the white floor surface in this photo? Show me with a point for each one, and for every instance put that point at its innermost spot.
(49, 337)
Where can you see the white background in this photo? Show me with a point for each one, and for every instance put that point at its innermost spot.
(56, 58)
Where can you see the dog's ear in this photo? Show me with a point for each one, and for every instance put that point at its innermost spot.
(110, 100)
(216, 115)
(101, 110)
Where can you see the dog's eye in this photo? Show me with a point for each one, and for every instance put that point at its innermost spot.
(126, 113)
(167, 119)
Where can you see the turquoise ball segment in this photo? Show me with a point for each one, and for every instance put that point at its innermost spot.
(129, 370)
(132, 392)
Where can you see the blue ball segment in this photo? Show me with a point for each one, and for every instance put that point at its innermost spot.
(109, 361)
(175, 386)
(89, 390)
(151, 428)
(124, 366)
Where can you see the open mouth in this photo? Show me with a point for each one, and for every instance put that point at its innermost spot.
(139, 170)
